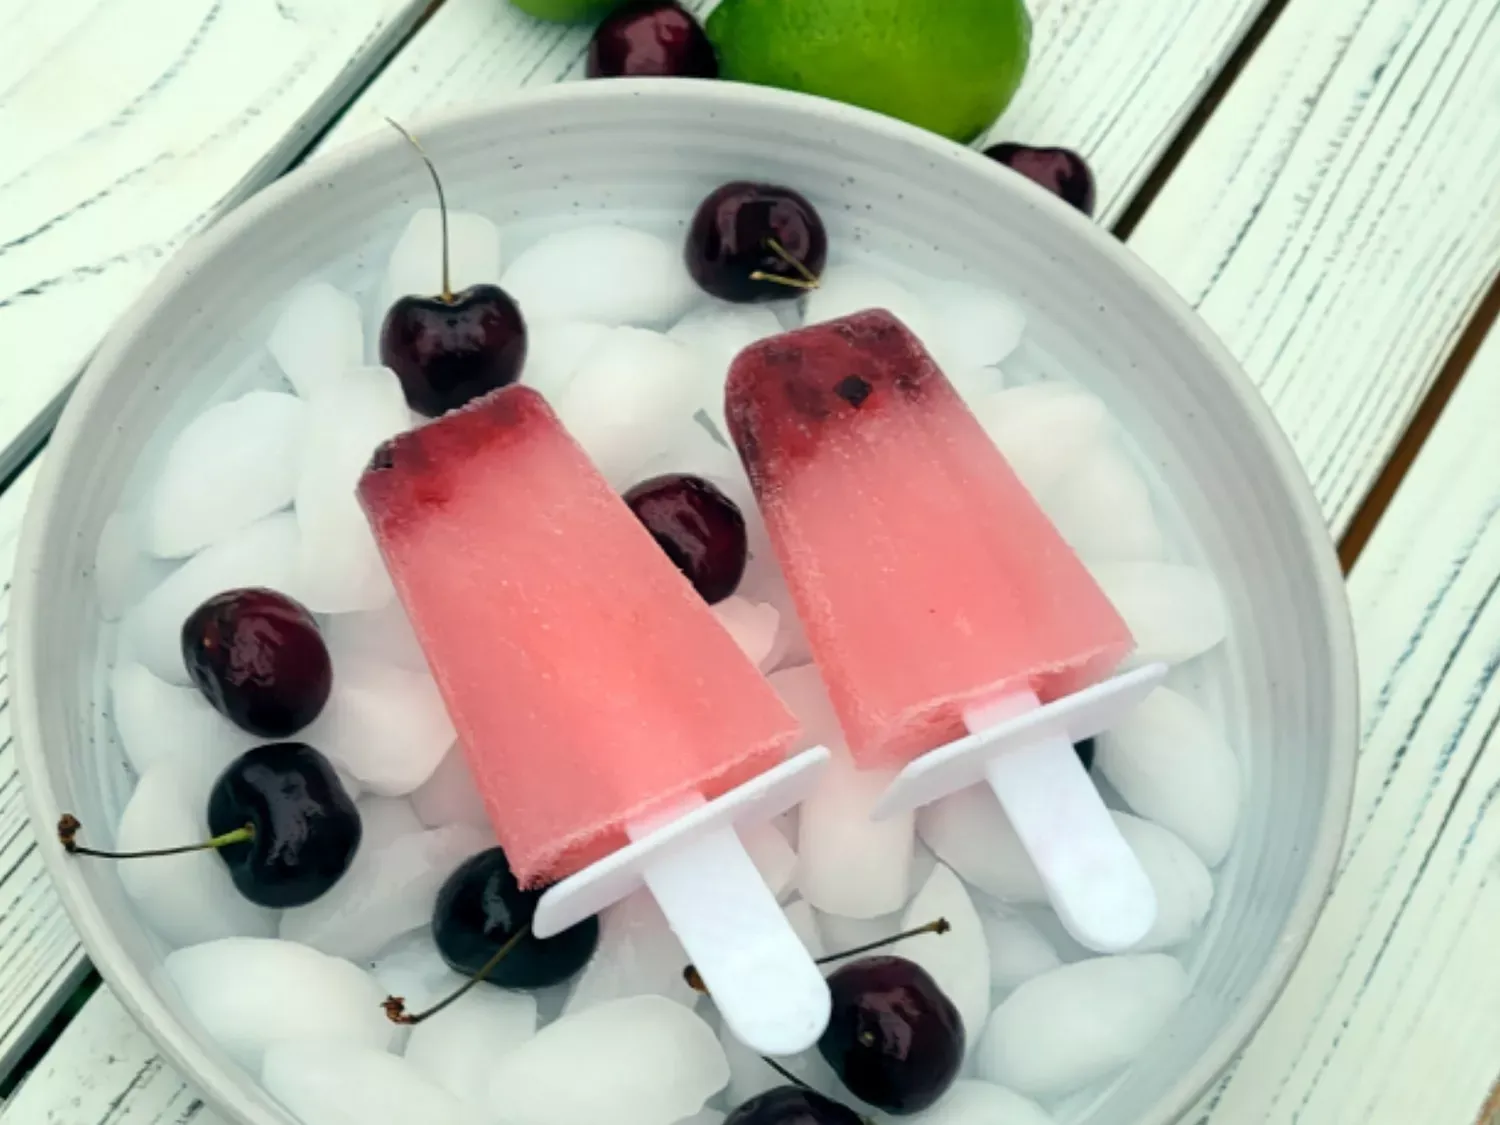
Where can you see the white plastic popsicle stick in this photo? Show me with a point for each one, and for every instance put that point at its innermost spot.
(761, 977)
(1024, 750)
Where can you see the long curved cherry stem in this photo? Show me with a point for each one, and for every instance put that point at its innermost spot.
(68, 827)
(395, 1006)
(936, 926)
(437, 182)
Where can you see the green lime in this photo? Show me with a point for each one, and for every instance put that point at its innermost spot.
(948, 65)
(567, 11)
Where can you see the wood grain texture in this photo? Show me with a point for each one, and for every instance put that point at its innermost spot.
(1112, 79)
(126, 126)
(1393, 1016)
(40, 960)
(1338, 219)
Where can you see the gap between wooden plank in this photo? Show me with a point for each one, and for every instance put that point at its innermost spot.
(1172, 156)
(1367, 517)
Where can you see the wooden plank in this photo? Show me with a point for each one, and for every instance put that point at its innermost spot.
(39, 952)
(1338, 219)
(1112, 79)
(1393, 1016)
(126, 126)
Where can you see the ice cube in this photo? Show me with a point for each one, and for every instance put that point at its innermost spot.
(1018, 950)
(383, 634)
(805, 924)
(1175, 612)
(840, 933)
(923, 863)
(606, 274)
(802, 690)
(1169, 761)
(386, 725)
(976, 384)
(248, 993)
(632, 396)
(718, 332)
(339, 567)
(1067, 1028)
(318, 335)
(415, 268)
(158, 721)
(233, 464)
(649, 1062)
(772, 855)
(959, 960)
(387, 891)
(457, 1047)
(450, 796)
(1103, 508)
(980, 1103)
(638, 955)
(704, 1117)
(1044, 429)
(973, 326)
(754, 626)
(554, 351)
(412, 969)
(325, 1083)
(123, 571)
(384, 820)
(764, 582)
(850, 864)
(188, 898)
(846, 289)
(263, 554)
(1184, 888)
(750, 1075)
(970, 832)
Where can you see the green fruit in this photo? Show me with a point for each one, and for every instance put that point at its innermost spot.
(567, 11)
(948, 65)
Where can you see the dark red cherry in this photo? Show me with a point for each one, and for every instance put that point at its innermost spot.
(481, 908)
(259, 658)
(306, 829)
(701, 530)
(448, 351)
(1060, 170)
(756, 242)
(895, 1039)
(651, 39)
(793, 1105)
(451, 348)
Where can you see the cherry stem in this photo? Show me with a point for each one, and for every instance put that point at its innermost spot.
(809, 280)
(785, 1073)
(442, 202)
(937, 926)
(395, 1006)
(68, 827)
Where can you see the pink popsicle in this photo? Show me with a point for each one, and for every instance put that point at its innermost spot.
(927, 577)
(589, 683)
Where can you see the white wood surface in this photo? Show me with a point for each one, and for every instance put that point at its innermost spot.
(1393, 1016)
(1114, 79)
(125, 126)
(1339, 217)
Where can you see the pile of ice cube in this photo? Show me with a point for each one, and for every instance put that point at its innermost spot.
(259, 490)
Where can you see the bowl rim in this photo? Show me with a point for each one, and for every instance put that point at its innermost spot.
(133, 988)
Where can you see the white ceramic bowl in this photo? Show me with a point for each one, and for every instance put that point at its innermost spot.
(1284, 685)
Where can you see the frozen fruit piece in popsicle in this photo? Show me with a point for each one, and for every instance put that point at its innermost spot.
(926, 576)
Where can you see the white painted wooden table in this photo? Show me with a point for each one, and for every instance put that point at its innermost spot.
(1320, 178)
